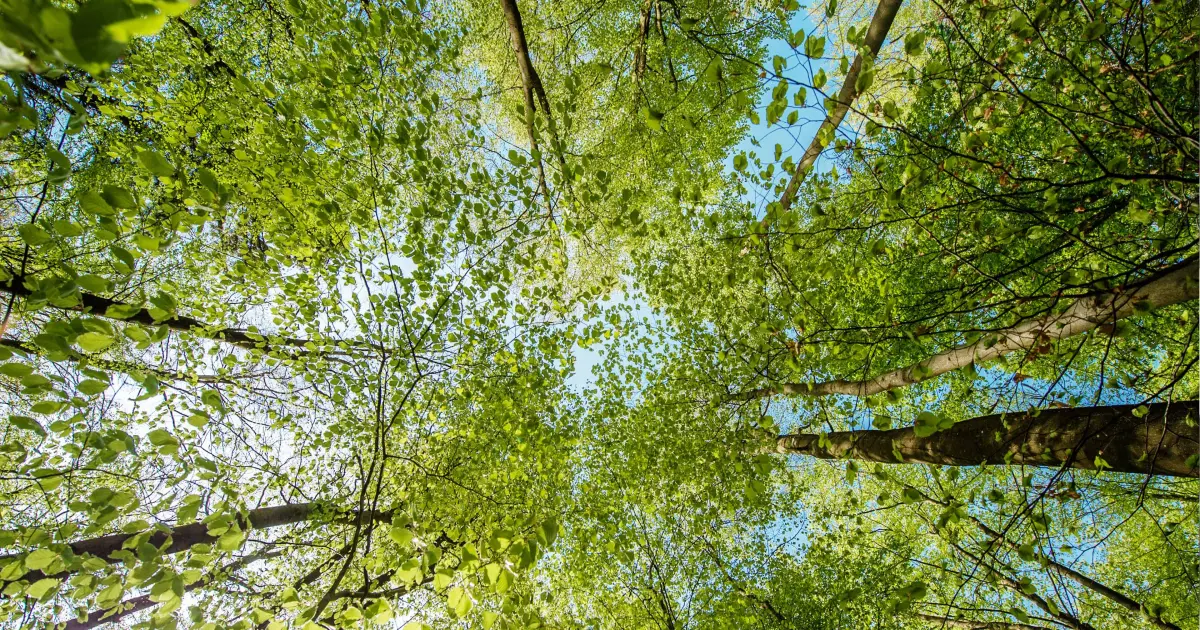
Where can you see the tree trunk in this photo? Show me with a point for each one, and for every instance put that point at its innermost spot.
(1090, 438)
(881, 23)
(967, 624)
(639, 55)
(132, 605)
(183, 537)
(532, 83)
(97, 305)
(1172, 286)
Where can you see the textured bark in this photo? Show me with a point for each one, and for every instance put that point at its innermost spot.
(97, 305)
(1172, 286)
(877, 32)
(183, 537)
(1160, 443)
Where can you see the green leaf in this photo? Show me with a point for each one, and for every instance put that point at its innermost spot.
(122, 311)
(126, 31)
(46, 407)
(146, 242)
(410, 571)
(403, 536)
(119, 197)
(15, 370)
(33, 235)
(209, 180)
(125, 260)
(161, 437)
(27, 424)
(42, 588)
(92, 283)
(459, 601)
(40, 559)
(155, 163)
(91, 387)
(61, 169)
(91, 202)
(914, 42)
(547, 532)
(213, 399)
(653, 119)
(67, 229)
(443, 578)
(94, 341)
(929, 423)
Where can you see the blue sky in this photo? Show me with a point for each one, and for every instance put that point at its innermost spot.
(794, 139)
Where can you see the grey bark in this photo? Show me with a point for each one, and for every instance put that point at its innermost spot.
(877, 31)
(1172, 286)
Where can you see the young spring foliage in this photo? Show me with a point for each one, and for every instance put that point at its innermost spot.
(636, 314)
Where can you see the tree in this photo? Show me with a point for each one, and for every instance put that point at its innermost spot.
(297, 297)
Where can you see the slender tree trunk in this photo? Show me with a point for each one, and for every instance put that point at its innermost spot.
(132, 605)
(639, 55)
(1094, 585)
(532, 83)
(97, 305)
(1062, 617)
(183, 537)
(967, 624)
(1162, 442)
(877, 32)
(1112, 594)
(1172, 286)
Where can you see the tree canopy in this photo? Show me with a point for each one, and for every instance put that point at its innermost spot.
(646, 314)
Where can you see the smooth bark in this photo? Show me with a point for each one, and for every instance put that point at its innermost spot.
(1162, 442)
(877, 32)
(532, 84)
(967, 624)
(1174, 285)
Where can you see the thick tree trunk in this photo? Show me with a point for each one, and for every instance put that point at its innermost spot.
(877, 32)
(1173, 286)
(1088, 438)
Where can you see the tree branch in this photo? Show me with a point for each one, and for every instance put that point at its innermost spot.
(97, 617)
(99, 306)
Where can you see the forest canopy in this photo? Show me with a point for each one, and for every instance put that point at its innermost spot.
(599, 314)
